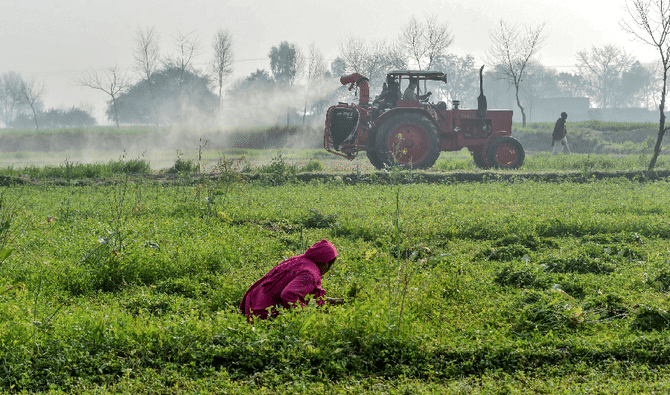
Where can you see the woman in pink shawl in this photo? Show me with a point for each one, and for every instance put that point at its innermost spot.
(288, 283)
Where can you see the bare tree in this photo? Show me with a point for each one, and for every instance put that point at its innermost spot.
(383, 58)
(424, 42)
(11, 98)
(411, 39)
(463, 79)
(147, 60)
(316, 71)
(650, 23)
(317, 68)
(188, 47)
(438, 38)
(372, 59)
(223, 58)
(300, 65)
(32, 92)
(513, 48)
(602, 69)
(112, 82)
(633, 86)
(648, 98)
(354, 53)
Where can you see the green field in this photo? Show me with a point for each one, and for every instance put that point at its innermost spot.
(122, 273)
(130, 283)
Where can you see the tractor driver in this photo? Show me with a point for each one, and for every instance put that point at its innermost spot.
(411, 91)
(391, 97)
(388, 98)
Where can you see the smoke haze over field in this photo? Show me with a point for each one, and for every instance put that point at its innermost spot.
(56, 41)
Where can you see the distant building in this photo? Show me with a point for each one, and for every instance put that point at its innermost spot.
(578, 109)
(549, 109)
(623, 114)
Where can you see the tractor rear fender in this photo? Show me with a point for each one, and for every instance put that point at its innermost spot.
(403, 110)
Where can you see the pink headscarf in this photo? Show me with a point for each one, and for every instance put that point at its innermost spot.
(321, 252)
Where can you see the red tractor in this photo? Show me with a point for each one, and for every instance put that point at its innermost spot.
(408, 130)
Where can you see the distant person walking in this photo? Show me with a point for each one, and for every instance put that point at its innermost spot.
(559, 137)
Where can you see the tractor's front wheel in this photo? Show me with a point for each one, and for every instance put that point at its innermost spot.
(408, 140)
(505, 153)
(480, 158)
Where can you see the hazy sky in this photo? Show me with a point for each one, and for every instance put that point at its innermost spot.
(56, 41)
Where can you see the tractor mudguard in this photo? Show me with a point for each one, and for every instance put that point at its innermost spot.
(404, 110)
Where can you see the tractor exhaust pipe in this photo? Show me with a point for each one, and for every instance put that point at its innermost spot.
(482, 107)
(361, 82)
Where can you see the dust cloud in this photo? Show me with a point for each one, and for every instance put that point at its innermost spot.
(274, 119)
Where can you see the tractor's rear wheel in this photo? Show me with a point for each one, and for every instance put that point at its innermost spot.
(373, 157)
(505, 153)
(409, 140)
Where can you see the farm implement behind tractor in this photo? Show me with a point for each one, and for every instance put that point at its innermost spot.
(408, 130)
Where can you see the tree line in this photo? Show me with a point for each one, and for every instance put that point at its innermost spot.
(168, 89)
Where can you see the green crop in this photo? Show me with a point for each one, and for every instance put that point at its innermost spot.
(132, 285)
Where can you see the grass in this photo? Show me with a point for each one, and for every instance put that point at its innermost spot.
(515, 287)
(298, 161)
(601, 126)
(130, 283)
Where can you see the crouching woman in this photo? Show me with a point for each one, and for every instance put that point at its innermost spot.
(288, 283)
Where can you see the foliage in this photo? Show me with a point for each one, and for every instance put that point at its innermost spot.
(257, 82)
(13, 103)
(602, 126)
(611, 76)
(317, 219)
(285, 63)
(133, 285)
(182, 165)
(168, 96)
(55, 118)
(463, 85)
(278, 171)
(69, 170)
(313, 165)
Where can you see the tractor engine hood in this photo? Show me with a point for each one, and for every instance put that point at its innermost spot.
(362, 83)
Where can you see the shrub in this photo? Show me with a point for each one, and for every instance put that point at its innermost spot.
(312, 166)
(651, 319)
(279, 171)
(504, 253)
(131, 166)
(318, 220)
(662, 281)
(531, 242)
(513, 247)
(184, 166)
(579, 263)
(608, 306)
(524, 277)
(547, 311)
